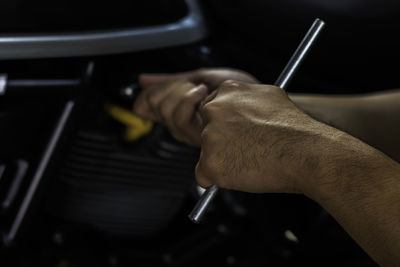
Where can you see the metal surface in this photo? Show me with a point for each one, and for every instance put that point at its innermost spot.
(189, 29)
(201, 206)
(3, 83)
(44, 161)
(299, 55)
(22, 167)
(283, 80)
(44, 83)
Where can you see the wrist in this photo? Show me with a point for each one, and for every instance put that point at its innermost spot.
(348, 168)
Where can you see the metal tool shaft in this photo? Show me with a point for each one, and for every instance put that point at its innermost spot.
(283, 80)
(300, 54)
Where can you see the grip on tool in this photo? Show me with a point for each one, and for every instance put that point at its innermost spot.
(283, 80)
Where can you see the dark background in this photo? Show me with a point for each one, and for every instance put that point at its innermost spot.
(87, 211)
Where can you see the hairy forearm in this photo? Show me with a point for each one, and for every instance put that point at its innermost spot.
(360, 187)
(373, 118)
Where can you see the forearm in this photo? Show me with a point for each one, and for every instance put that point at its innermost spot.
(358, 184)
(278, 148)
(373, 118)
(360, 187)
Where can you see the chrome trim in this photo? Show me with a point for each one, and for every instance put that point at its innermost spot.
(3, 84)
(22, 168)
(189, 29)
(9, 237)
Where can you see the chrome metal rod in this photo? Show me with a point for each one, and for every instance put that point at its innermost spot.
(283, 80)
(9, 237)
(203, 204)
(299, 55)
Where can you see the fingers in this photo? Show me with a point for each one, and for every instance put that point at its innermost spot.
(207, 107)
(172, 99)
(147, 102)
(155, 87)
(218, 155)
(212, 164)
(185, 119)
(178, 107)
(173, 103)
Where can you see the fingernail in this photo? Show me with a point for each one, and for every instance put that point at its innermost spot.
(200, 87)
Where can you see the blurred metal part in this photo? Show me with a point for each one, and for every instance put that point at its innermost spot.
(37, 177)
(189, 29)
(130, 91)
(22, 167)
(127, 91)
(200, 190)
(29, 83)
(3, 83)
(202, 205)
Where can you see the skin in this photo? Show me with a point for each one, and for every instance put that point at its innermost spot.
(172, 99)
(373, 117)
(254, 138)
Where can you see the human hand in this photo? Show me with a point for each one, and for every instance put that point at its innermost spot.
(256, 140)
(172, 99)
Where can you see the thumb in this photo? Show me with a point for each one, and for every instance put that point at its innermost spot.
(146, 80)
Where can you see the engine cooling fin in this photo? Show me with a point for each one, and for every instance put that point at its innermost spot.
(123, 190)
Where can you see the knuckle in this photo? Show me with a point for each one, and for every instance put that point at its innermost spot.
(273, 89)
(191, 98)
(152, 100)
(273, 92)
(226, 83)
(231, 83)
(187, 96)
(208, 109)
(165, 112)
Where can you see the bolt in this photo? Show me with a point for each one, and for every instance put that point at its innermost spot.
(58, 238)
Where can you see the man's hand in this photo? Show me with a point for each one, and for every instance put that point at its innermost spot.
(253, 139)
(256, 140)
(172, 99)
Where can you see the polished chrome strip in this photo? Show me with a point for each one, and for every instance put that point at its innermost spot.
(187, 30)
